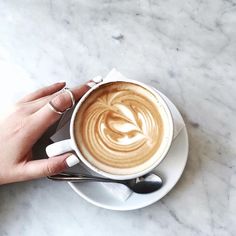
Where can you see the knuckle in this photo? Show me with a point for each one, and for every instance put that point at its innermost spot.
(50, 169)
(21, 109)
(53, 167)
(18, 108)
(61, 101)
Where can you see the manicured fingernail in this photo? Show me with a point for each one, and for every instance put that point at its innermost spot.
(72, 160)
(97, 79)
(91, 84)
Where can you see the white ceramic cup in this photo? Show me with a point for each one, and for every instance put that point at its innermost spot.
(70, 144)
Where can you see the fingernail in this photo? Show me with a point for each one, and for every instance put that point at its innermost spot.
(62, 81)
(97, 79)
(91, 84)
(72, 160)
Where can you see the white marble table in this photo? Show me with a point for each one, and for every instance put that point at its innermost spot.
(187, 49)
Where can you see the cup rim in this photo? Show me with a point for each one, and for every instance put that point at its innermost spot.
(123, 176)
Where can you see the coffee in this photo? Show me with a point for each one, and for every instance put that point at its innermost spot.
(119, 128)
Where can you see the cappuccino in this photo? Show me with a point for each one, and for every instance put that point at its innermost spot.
(119, 128)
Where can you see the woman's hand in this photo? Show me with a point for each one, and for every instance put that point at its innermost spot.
(21, 129)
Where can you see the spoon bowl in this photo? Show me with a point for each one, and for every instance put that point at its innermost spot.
(146, 184)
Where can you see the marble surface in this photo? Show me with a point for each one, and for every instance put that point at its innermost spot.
(187, 49)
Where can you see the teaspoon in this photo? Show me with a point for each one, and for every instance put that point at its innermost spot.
(145, 184)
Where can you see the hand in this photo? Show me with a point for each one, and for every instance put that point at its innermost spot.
(21, 129)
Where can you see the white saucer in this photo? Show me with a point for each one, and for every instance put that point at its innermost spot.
(170, 169)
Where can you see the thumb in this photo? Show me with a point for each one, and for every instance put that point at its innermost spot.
(51, 166)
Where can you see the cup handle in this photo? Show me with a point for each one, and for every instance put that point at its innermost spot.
(59, 148)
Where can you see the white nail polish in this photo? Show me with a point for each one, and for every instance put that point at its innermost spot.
(91, 84)
(72, 160)
(62, 81)
(97, 79)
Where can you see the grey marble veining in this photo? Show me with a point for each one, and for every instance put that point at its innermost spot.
(187, 49)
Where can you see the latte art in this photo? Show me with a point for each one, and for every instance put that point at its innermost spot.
(119, 127)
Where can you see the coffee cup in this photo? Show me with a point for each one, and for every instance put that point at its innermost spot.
(120, 129)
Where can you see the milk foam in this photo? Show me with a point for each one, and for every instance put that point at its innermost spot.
(118, 128)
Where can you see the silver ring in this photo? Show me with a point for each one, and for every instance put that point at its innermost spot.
(71, 96)
(54, 109)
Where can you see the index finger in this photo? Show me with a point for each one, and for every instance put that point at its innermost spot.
(45, 117)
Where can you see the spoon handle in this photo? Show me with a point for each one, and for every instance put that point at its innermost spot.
(80, 178)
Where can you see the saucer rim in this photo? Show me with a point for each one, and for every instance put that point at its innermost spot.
(180, 168)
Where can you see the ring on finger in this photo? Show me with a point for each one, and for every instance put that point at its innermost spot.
(67, 90)
(54, 109)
